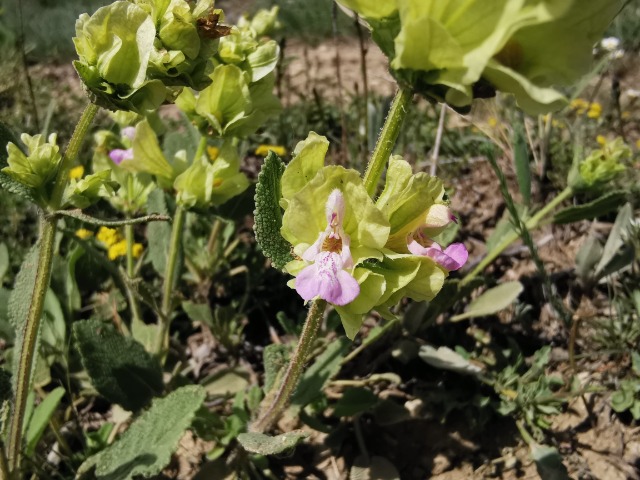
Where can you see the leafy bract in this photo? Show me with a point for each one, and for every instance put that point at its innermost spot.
(146, 447)
(308, 159)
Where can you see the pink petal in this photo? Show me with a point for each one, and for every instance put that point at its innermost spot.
(458, 253)
(417, 249)
(334, 208)
(326, 279)
(128, 132)
(118, 155)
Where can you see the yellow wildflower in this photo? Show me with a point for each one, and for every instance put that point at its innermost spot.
(492, 121)
(108, 236)
(137, 249)
(118, 249)
(579, 105)
(601, 139)
(595, 110)
(263, 150)
(83, 233)
(76, 172)
(213, 153)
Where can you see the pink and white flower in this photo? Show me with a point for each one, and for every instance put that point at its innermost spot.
(451, 258)
(327, 277)
(118, 155)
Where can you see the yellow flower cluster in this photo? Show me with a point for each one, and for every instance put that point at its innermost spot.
(76, 172)
(263, 150)
(116, 245)
(83, 233)
(581, 106)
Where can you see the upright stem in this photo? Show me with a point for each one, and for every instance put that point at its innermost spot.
(136, 314)
(295, 369)
(387, 139)
(26, 350)
(175, 246)
(531, 224)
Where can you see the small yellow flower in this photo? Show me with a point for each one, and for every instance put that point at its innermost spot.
(579, 105)
(263, 150)
(213, 153)
(601, 139)
(118, 249)
(83, 233)
(137, 249)
(76, 172)
(108, 236)
(595, 110)
(492, 121)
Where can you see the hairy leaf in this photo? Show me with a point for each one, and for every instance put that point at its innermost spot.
(266, 445)
(549, 463)
(268, 214)
(146, 447)
(13, 186)
(120, 368)
(158, 233)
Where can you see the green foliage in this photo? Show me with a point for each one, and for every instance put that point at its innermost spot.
(146, 447)
(120, 368)
(266, 445)
(268, 214)
(549, 463)
(40, 419)
(158, 233)
(602, 205)
(492, 301)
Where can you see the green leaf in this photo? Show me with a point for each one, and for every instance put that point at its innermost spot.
(491, 301)
(120, 368)
(228, 381)
(315, 377)
(447, 359)
(158, 233)
(146, 447)
(616, 237)
(20, 300)
(549, 463)
(353, 401)
(521, 160)
(587, 258)
(266, 445)
(268, 214)
(6, 136)
(275, 359)
(594, 209)
(40, 419)
(13, 186)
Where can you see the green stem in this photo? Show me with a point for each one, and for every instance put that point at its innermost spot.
(26, 351)
(295, 369)
(175, 246)
(387, 139)
(4, 466)
(136, 314)
(531, 224)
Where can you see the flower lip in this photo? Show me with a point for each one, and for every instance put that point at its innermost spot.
(451, 258)
(118, 155)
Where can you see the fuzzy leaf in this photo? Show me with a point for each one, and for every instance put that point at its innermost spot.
(13, 186)
(266, 445)
(376, 468)
(616, 237)
(146, 447)
(158, 233)
(268, 214)
(491, 301)
(120, 368)
(549, 463)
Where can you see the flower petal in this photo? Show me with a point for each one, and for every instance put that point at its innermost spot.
(307, 284)
(458, 253)
(119, 154)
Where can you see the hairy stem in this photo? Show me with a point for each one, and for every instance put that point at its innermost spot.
(387, 139)
(26, 351)
(530, 224)
(296, 366)
(136, 315)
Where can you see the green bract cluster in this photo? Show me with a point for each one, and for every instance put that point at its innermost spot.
(457, 50)
(38, 167)
(137, 55)
(377, 231)
(601, 166)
